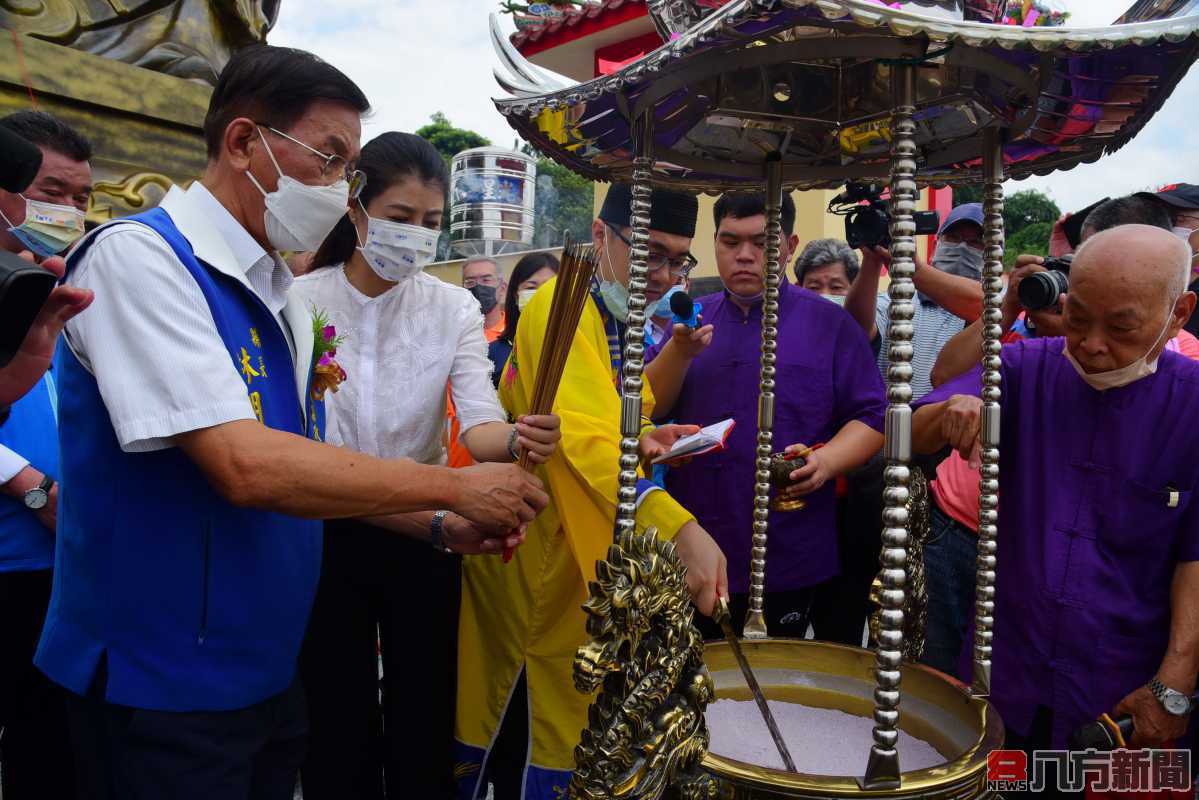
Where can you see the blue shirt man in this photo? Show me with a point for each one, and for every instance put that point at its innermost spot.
(189, 540)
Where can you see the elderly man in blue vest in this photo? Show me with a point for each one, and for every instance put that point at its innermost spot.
(189, 546)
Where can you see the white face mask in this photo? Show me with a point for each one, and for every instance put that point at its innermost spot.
(298, 216)
(523, 297)
(839, 299)
(396, 251)
(1115, 378)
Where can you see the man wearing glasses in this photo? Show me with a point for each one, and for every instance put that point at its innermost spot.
(828, 406)
(481, 277)
(522, 622)
(949, 294)
(193, 477)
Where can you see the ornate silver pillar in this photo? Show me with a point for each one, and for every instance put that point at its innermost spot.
(755, 620)
(988, 485)
(634, 341)
(882, 770)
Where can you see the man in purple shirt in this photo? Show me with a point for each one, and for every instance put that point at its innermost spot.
(1097, 594)
(828, 392)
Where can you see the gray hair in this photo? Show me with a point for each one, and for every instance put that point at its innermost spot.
(822, 252)
(480, 259)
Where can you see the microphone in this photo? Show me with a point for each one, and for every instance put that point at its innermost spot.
(684, 309)
(20, 159)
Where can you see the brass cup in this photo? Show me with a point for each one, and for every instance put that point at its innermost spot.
(780, 480)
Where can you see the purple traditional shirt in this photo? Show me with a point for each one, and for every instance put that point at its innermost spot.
(826, 378)
(1097, 511)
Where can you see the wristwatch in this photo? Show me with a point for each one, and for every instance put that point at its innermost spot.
(1173, 701)
(37, 497)
(437, 530)
(513, 448)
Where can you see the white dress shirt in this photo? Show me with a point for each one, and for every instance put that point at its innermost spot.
(149, 337)
(400, 350)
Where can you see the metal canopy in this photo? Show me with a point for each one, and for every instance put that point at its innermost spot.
(810, 79)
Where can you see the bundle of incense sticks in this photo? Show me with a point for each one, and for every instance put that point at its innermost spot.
(571, 288)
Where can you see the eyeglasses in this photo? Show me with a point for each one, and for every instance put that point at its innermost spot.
(355, 177)
(680, 267)
(482, 280)
(974, 242)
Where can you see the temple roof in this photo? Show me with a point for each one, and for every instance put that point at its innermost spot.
(593, 11)
(810, 79)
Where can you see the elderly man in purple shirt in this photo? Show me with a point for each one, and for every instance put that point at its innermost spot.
(1097, 596)
(828, 393)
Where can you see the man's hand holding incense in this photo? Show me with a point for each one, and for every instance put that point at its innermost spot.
(467, 539)
(538, 435)
(498, 497)
(707, 570)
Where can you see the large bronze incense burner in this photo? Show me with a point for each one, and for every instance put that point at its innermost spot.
(798, 94)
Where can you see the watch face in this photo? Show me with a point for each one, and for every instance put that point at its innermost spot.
(36, 499)
(1177, 704)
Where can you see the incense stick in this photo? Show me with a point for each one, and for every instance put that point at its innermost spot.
(571, 289)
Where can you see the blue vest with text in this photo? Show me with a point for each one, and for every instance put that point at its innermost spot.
(25, 543)
(188, 602)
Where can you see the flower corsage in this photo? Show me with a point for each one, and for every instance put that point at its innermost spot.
(326, 372)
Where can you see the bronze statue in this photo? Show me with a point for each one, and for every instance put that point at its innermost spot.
(190, 39)
(646, 730)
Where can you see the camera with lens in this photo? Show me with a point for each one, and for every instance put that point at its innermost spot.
(867, 218)
(1041, 290)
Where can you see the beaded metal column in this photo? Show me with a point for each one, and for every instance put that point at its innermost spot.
(634, 340)
(755, 620)
(882, 770)
(988, 485)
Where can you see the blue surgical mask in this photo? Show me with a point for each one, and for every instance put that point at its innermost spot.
(614, 293)
(662, 307)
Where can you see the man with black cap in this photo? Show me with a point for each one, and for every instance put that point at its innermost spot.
(522, 622)
(1183, 202)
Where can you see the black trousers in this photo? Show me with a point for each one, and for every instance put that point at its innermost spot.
(35, 750)
(786, 615)
(133, 754)
(842, 603)
(380, 588)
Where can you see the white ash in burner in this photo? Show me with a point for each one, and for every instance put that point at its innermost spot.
(822, 742)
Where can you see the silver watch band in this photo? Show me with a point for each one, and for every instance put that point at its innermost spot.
(1171, 697)
(437, 531)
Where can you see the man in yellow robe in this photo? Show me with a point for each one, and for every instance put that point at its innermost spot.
(522, 621)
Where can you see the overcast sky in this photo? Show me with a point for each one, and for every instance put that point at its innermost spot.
(416, 57)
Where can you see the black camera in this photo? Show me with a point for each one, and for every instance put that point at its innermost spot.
(1041, 290)
(867, 218)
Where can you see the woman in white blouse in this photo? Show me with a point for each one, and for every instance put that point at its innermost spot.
(406, 336)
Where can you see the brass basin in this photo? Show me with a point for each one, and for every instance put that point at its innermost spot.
(935, 708)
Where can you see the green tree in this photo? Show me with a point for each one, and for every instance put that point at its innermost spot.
(564, 204)
(448, 140)
(1029, 207)
(1032, 239)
